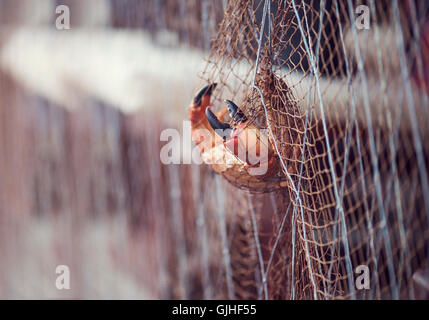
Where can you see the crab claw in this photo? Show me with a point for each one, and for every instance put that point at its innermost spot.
(221, 128)
(235, 112)
(204, 92)
(232, 107)
(199, 105)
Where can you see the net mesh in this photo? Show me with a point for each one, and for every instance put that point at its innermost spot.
(347, 100)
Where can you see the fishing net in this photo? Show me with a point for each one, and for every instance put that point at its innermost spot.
(345, 111)
(350, 100)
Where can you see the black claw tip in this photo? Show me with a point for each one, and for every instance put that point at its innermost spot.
(221, 128)
(232, 107)
(235, 112)
(207, 90)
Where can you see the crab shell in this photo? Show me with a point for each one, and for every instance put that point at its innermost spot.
(253, 148)
(238, 157)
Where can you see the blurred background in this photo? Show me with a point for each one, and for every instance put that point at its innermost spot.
(81, 113)
(82, 185)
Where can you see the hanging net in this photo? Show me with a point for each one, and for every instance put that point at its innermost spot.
(343, 106)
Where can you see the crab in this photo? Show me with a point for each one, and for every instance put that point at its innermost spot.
(237, 149)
